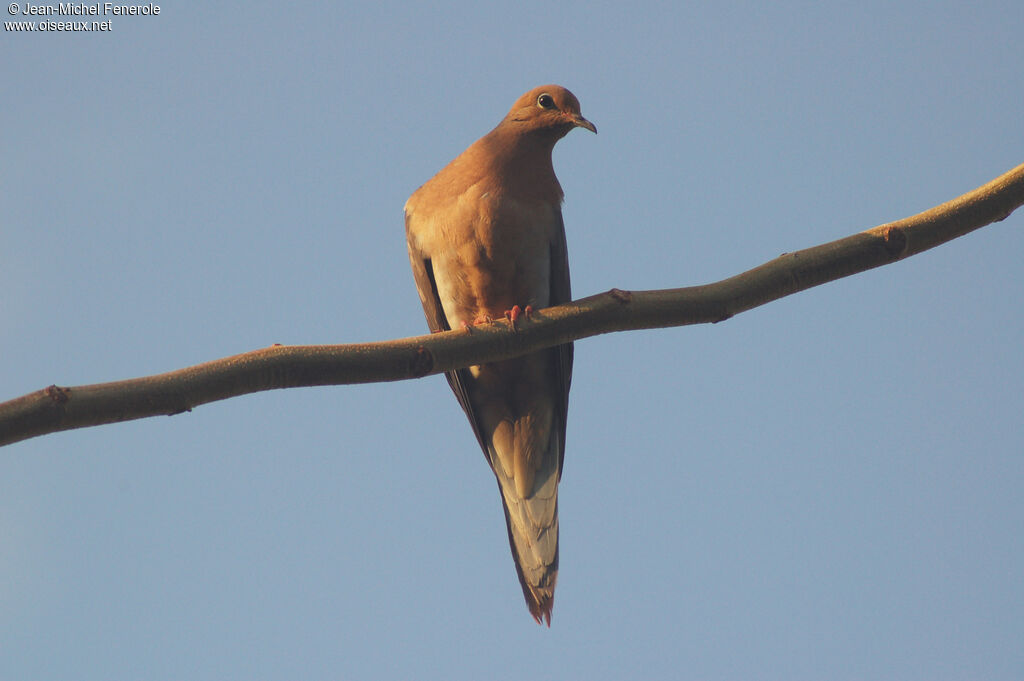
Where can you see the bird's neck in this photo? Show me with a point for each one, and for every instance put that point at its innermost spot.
(523, 159)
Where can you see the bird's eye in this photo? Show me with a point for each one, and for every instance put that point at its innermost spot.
(546, 101)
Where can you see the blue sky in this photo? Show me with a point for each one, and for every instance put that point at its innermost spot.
(825, 487)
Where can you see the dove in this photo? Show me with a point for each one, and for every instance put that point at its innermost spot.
(486, 240)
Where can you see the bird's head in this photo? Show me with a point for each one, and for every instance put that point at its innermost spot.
(549, 108)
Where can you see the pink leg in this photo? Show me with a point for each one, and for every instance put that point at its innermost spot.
(513, 315)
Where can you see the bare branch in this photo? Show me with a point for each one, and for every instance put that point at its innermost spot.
(61, 408)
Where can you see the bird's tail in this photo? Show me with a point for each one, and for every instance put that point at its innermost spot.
(533, 535)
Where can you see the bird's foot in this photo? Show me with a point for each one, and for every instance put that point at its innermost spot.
(483, 319)
(516, 312)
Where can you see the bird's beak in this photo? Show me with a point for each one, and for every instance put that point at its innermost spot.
(581, 122)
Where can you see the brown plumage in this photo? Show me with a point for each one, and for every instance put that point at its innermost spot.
(485, 235)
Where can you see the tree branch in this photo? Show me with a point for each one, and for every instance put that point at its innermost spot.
(62, 408)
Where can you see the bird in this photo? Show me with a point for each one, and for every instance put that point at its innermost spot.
(486, 240)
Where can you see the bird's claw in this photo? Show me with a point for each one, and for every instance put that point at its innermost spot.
(516, 312)
(483, 319)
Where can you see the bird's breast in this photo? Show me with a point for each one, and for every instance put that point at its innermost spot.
(491, 253)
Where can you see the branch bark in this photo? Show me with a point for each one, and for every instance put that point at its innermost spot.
(62, 408)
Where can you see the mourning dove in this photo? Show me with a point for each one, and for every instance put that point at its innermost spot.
(486, 239)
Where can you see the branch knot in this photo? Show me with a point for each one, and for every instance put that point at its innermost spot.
(422, 362)
(58, 394)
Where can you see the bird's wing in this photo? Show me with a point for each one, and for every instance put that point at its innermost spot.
(426, 286)
(561, 292)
